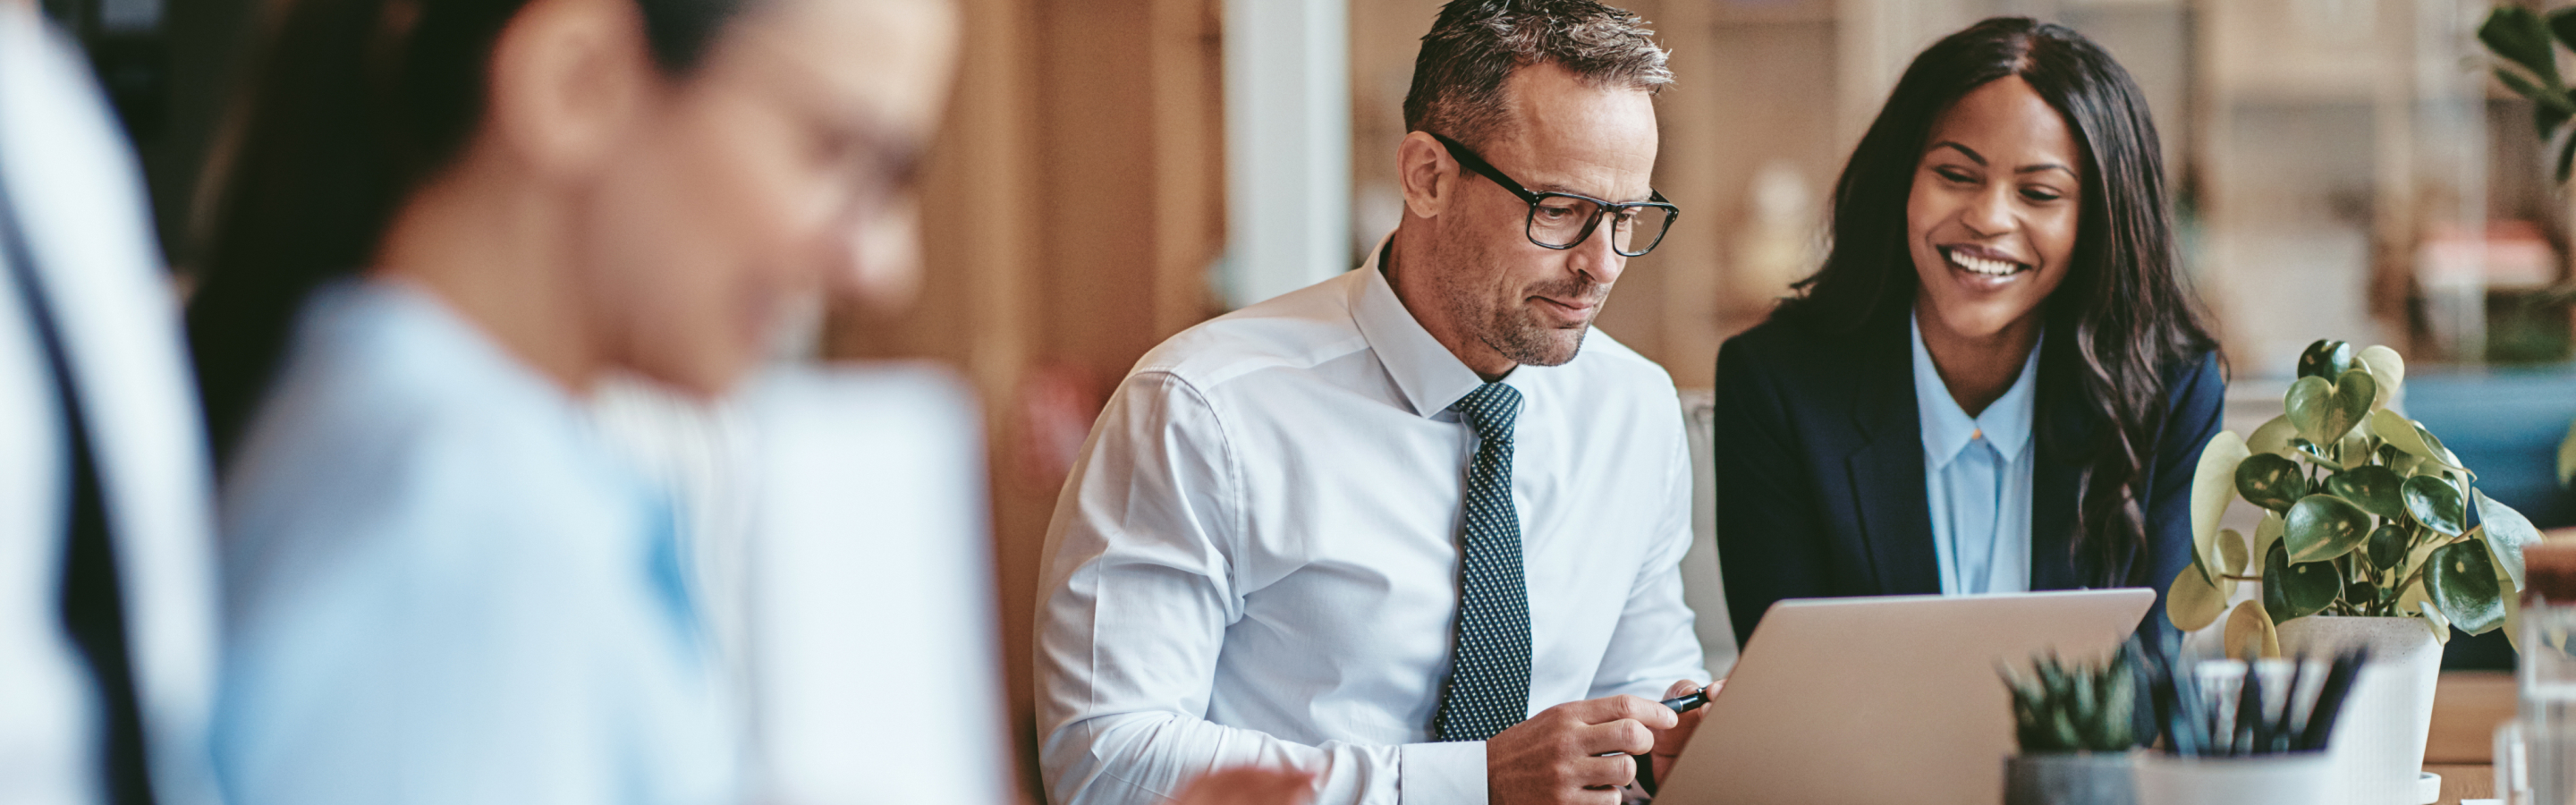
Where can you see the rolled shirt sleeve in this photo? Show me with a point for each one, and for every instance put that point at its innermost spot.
(1124, 680)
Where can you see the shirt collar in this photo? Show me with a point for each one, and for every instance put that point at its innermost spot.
(1947, 429)
(1431, 377)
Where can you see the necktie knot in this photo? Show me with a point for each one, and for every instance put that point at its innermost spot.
(1490, 410)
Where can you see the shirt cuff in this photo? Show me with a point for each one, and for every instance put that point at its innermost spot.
(1451, 773)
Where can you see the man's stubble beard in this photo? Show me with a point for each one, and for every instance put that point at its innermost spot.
(1505, 325)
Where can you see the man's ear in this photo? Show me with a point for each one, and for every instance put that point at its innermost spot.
(569, 80)
(1429, 175)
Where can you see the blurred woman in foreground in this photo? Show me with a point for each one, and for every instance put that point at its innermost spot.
(442, 222)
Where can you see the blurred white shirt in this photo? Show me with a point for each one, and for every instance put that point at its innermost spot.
(79, 202)
(444, 587)
(837, 517)
(1256, 558)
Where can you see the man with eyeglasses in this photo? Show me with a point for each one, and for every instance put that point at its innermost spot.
(1402, 528)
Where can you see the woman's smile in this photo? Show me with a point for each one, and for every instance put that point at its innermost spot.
(1982, 261)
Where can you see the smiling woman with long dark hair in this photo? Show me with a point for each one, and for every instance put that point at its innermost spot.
(1997, 382)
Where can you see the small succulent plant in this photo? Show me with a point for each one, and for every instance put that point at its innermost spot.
(2085, 707)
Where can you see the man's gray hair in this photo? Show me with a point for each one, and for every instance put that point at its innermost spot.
(1475, 44)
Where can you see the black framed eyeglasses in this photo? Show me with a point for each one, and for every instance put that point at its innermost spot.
(1563, 220)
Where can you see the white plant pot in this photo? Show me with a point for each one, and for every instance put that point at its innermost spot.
(2378, 745)
(2301, 779)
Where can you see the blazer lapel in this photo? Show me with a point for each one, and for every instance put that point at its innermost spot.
(1887, 481)
(2052, 520)
(2061, 431)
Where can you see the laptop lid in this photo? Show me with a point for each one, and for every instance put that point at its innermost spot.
(1885, 699)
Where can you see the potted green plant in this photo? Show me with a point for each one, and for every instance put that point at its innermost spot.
(2526, 45)
(2372, 534)
(2076, 727)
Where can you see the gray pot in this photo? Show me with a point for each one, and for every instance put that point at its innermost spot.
(2070, 778)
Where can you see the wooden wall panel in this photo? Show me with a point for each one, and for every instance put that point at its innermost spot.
(1076, 198)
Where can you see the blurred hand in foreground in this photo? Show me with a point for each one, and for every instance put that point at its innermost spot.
(1250, 785)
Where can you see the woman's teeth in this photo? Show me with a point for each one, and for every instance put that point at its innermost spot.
(1980, 265)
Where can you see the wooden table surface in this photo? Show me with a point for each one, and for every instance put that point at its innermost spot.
(2464, 781)
(2461, 744)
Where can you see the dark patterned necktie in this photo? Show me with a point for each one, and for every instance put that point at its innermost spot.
(1490, 664)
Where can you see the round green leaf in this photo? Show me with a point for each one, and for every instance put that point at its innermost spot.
(2463, 584)
(2519, 35)
(2387, 368)
(2506, 532)
(2267, 533)
(2250, 630)
(2322, 527)
(2269, 481)
(2513, 621)
(2435, 442)
(2275, 591)
(2407, 437)
(2324, 410)
(2194, 602)
(2231, 552)
(2327, 358)
(2273, 437)
(2297, 589)
(2353, 394)
(2213, 485)
(2435, 503)
(2372, 487)
(2388, 546)
(2354, 450)
(2306, 405)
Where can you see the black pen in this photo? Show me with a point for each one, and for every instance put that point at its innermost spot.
(1680, 704)
(1688, 702)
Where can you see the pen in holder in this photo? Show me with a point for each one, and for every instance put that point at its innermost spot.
(2244, 731)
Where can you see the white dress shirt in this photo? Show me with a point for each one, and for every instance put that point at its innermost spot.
(1977, 476)
(1256, 558)
(79, 203)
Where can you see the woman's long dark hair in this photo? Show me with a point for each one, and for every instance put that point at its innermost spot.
(2121, 319)
(351, 106)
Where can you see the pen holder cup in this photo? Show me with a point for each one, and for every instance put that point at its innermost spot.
(2293, 779)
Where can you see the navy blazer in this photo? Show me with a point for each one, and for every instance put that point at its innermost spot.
(1820, 480)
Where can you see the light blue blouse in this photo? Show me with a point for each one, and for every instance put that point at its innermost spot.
(442, 588)
(1977, 473)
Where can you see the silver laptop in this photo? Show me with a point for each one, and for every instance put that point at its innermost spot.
(1884, 700)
